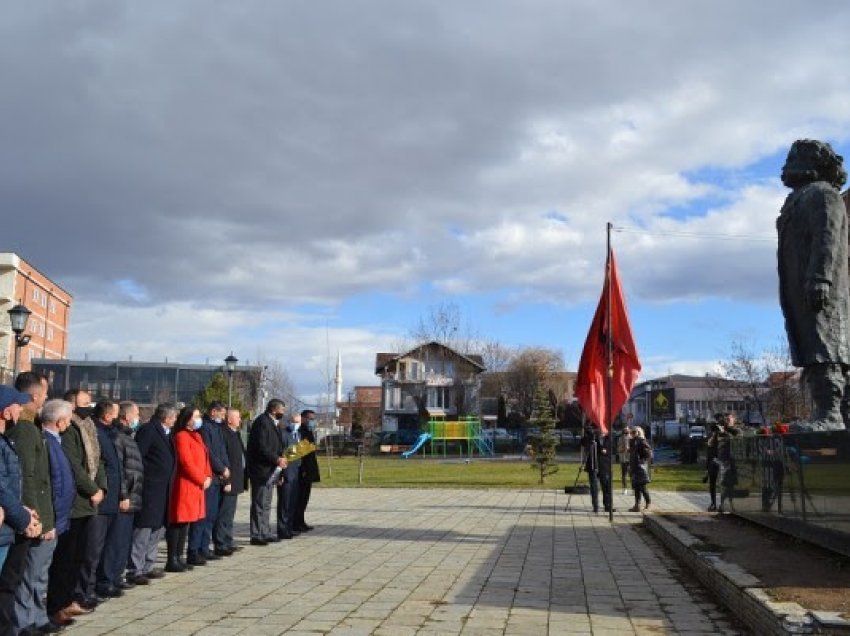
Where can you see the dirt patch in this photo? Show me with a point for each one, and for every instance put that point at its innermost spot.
(789, 569)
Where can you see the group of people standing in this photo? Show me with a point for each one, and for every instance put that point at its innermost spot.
(635, 458)
(87, 494)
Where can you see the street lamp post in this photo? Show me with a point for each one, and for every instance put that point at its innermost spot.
(18, 316)
(230, 366)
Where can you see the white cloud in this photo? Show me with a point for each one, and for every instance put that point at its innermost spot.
(275, 155)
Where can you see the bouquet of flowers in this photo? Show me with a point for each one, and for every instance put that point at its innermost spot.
(292, 453)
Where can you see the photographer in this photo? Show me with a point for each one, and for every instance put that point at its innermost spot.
(728, 470)
(712, 465)
(597, 463)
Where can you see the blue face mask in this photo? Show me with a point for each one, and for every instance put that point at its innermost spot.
(311, 425)
(134, 424)
(198, 423)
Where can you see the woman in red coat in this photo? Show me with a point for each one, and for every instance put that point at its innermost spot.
(192, 475)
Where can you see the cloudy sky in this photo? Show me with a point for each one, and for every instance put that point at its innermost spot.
(291, 179)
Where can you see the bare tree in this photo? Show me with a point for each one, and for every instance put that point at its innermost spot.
(786, 397)
(747, 375)
(444, 323)
(528, 371)
(496, 356)
(277, 383)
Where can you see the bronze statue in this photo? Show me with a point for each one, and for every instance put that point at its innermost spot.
(814, 283)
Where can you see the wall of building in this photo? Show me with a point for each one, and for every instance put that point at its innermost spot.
(50, 305)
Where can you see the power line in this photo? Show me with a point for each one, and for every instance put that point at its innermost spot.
(721, 237)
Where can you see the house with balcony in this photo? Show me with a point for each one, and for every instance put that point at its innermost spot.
(427, 382)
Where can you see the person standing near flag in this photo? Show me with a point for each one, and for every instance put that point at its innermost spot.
(609, 365)
(639, 461)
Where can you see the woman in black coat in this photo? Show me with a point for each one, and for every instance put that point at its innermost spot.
(641, 456)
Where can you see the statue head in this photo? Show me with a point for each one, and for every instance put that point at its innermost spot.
(809, 161)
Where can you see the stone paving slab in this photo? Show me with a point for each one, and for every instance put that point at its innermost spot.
(449, 562)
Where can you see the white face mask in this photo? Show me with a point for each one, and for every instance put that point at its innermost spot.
(198, 423)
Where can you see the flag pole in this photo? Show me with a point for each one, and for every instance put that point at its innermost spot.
(609, 389)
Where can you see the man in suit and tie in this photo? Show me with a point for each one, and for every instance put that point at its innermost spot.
(265, 453)
(233, 487)
(287, 490)
(154, 442)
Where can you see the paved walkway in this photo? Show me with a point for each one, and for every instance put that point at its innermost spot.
(398, 562)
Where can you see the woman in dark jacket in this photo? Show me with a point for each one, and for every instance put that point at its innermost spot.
(641, 456)
(193, 475)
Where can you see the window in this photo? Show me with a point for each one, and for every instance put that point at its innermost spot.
(438, 397)
(52, 306)
(36, 294)
(50, 333)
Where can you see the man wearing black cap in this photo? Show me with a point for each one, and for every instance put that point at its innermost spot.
(21, 523)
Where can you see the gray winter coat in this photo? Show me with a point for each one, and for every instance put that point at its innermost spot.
(133, 474)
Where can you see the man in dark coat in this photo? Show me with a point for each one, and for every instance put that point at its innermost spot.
(814, 280)
(309, 473)
(265, 454)
(116, 552)
(36, 494)
(20, 523)
(234, 486)
(287, 488)
(200, 532)
(157, 451)
(102, 532)
(597, 464)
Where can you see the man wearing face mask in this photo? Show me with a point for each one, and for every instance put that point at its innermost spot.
(287, 489)
(93, 582)
(157, 451)
(90, 480)
(21, 523)
(265, 453)
(200, 532)
(309, 472)
(235, 486)
(116, 552)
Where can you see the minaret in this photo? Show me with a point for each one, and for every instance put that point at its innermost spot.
(338, 381)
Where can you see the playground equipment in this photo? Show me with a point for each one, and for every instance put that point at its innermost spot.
(464, 432)
(419, 442)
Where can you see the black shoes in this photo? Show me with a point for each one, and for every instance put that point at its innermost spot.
(304, 528)
(110, 592)
(212, 556)
(156, 573)
(259, 542)
(175, 566)
(195, 559)
(139, 579)
(223, 552)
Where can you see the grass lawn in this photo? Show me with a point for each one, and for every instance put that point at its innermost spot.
(389, 472)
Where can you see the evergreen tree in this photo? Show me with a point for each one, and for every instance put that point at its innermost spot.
(543, 442)
(216, 390)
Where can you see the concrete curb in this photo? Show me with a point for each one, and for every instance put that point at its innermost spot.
(741, 592)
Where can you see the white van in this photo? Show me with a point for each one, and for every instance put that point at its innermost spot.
(697, 432)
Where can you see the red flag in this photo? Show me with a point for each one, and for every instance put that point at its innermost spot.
(625, 365)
